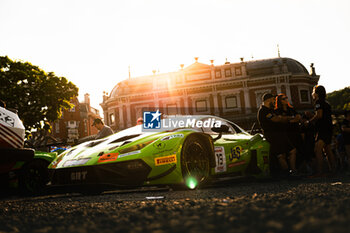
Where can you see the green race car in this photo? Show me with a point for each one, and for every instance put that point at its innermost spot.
(175, 156)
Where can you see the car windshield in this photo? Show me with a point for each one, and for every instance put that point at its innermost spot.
(127, 133)
(232, 127)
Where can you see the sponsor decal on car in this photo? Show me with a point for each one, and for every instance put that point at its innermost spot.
(75, 162)
(159, 145)
(78, 175)
(129, 153)
(165, 160)
(108, 157)
(236, 164)
(172, 136)
(220, 159)
(235, 153)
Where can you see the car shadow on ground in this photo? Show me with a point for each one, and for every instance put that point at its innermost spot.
(271, 185)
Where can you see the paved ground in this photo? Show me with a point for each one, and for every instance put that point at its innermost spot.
(308, 205)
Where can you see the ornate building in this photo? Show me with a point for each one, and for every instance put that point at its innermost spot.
(231, 90)
(76, 123)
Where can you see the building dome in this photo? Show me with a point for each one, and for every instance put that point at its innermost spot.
(274, 66)
(121, 88)
(115, 91)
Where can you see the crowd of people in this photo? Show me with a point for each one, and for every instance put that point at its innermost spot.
(302, 144)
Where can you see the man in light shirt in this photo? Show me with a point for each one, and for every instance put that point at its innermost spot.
(104, 130)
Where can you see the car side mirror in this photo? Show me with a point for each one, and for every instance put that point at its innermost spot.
(221, 129)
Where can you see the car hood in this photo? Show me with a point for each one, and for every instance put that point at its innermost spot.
(84, 152)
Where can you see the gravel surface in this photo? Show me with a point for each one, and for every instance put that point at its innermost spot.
(307, 205)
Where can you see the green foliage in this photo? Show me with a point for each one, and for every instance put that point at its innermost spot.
(339, 100)
(38, 96)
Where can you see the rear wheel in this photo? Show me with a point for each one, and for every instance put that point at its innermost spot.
(195, 164)
(34, 177)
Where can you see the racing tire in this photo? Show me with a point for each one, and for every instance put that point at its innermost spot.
(195, 162)
(34, 177)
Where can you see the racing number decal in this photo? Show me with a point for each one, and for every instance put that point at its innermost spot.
(220, 159)
(235, 153)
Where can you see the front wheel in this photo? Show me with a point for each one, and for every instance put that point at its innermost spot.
(34, 177)
(195, 163)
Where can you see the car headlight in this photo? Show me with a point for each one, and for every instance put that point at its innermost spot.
(135, 147)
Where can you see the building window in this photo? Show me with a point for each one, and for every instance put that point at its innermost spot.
(231, 102)
(217, 73)
(111, 118)
(201, 106)
(304, 96)
(228, 73)
(71, 124)
(171, 109)
(238, 71)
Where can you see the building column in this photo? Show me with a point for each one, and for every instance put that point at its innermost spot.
(105, 116)
(244, 69)
(289, 95)
(128, 116)
(121, 116)
(279, 90)
(186, 104)
(156, 101)
(178, 107)
(248, 107)
(216, 103)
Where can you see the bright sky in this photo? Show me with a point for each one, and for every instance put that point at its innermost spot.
(92, 43)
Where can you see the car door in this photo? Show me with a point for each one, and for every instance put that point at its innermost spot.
(231, 150)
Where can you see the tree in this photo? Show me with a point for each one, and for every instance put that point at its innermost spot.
(36, 95)
(339, 100)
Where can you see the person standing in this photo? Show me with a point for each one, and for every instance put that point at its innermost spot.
(139, 121)
(104, 130)
(345, 131)
(280, 145)
(324, 129)
(291, 128)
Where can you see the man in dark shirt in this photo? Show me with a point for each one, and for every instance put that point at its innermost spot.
(104, 130)
(279, 143)
(324, 123)
(324, 128)
(345, 129)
